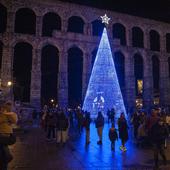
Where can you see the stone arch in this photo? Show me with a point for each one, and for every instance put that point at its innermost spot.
(51, 21)
(22, 66)
(75, 71)
(97, 27)
(76, 45)
(20, 40)
(1, 52)
(138, 73)
(49, 74)
(48, 41)
(156, 74)
(119, 60)
(154, 40)
(3, 18)
(25, 21)
(75, 24)
(137, 37)
(168, 42)
(119, 32)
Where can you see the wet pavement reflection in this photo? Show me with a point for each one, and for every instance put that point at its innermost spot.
(33, 152)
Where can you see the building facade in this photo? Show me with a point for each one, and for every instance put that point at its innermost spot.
(70, 33)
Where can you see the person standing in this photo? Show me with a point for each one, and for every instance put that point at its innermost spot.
(7, 119)
(51, 123)
(99, 125)
(87, 121)
(123, 131)
(159, 132)
(112, 115)
(62, 128)
(136, 123)
(113, 136)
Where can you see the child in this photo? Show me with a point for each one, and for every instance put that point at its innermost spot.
(113, 136)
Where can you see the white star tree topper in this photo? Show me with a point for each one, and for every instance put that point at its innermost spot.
(105, 19)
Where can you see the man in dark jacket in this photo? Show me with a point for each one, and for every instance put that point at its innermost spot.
(99, 125)
(87, 121)
(62, 128)
(159, 132)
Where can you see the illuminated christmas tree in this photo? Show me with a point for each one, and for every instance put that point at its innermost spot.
(103, 90)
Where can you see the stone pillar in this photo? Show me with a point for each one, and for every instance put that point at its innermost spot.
(129, 37)
(86, 73)
(163, 42)
(88, 29)
(64, 25)
(6, 71)
(63, 80)
(147, 83)
(7, 56)
(10, 21)
(146, 39)
(129, 83)
(39, 24)
(35, 90)
(164, 82)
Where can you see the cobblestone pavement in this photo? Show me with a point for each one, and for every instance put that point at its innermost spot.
(33, 152)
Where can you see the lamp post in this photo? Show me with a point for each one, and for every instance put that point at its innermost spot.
(9, 85)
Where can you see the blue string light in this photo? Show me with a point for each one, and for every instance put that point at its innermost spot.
(103, 90)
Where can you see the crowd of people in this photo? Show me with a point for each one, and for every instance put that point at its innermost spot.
(149, 130)
(56, 124)
(152, 131)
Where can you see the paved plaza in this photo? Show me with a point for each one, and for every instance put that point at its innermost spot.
(33, 152)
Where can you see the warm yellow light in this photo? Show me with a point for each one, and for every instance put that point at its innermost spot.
(9, 83)
(140, 86)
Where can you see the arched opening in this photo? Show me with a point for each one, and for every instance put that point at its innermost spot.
(94, 52)
(169, 65)
(25, 21)
(138, 72)
(168, 42)
(97, 28)
(22, 65)
(1, 52)
(3, 18)
(137, 37)
(49, 75)
(76, 25)
(119, 61)
(154, 40)
(156, 78)
(119, 32)
(51, 22)
(75, 70)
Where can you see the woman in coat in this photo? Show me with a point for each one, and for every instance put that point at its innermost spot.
(123, 131)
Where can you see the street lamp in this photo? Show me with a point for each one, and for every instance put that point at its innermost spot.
(9, 85)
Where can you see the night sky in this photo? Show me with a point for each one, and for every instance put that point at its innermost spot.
(153, 9)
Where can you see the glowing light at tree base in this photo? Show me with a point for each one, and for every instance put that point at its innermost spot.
(103, 90)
